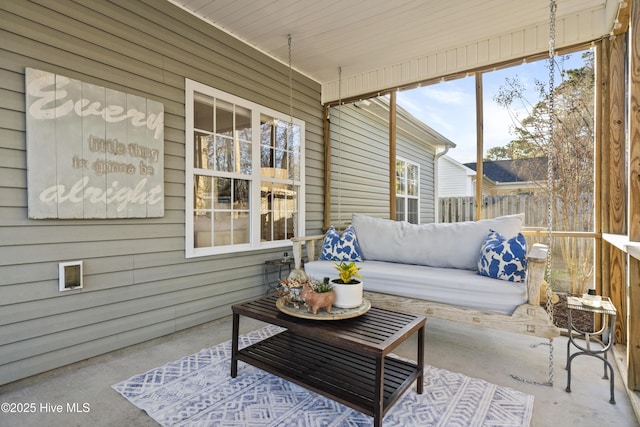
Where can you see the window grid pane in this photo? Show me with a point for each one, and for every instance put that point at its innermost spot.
(412, 179)
(401, 183)
(203, 112)
(412, 211)
(223, 139)
(400, 211)
(279, 149)
(223, 173)
(278, 208)
(407, 191)
(227, 201)
(224, 118)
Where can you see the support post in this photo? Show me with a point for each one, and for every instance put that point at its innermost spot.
(613, 128)
(633, 297)
(392, 155)
(479, 146)
(327, 167)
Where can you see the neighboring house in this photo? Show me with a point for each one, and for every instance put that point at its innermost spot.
(518, 176)
(360, 165)
(507, 187)
(455, 179)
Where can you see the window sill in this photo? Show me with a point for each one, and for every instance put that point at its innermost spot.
(226, 250)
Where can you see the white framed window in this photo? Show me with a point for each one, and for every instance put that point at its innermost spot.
(407, 191)
(244, 174)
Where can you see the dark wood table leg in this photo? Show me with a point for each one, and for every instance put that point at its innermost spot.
(420, 380)
(234, 345)
(378, 410)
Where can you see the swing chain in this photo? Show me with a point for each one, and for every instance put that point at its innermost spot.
(549, 382)
(340, 148)
(549, 291)
(295, 166)
(290, 83)
(550, 184)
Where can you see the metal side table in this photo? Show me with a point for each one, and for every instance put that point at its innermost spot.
(273, 270)
(595, 344)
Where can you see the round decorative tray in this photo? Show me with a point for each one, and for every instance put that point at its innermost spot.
(337, 313)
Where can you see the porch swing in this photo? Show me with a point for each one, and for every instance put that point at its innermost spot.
(529, 318)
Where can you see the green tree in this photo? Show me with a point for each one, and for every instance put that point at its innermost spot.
(570, 149)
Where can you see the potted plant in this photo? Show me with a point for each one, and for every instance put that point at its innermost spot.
(347, 287)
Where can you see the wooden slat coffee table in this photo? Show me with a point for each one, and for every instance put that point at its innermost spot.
(345, 360)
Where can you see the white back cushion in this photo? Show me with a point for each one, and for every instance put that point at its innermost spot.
(453, 245)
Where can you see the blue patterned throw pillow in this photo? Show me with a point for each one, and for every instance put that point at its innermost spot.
(340, 248)
(504, 259)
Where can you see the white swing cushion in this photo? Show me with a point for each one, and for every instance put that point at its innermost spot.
(462, 288)
(450, 245)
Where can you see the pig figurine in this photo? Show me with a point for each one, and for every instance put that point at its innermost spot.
(316, 300)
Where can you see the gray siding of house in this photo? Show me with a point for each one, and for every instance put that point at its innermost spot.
(360, 165)
(137, 283)
(453, 180)
(409, 148)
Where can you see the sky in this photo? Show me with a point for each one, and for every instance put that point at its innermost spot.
(449, 107)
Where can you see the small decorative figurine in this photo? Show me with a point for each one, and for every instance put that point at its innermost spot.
(316, 299)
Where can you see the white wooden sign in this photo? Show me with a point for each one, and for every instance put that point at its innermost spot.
(92, 152)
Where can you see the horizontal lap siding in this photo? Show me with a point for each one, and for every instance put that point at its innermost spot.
(138, 284)
(360, 143)
(418, 152)
(359, 165)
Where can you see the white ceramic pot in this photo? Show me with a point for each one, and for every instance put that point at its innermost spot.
(347, 296)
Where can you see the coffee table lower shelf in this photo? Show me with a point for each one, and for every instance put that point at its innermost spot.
(341, 375)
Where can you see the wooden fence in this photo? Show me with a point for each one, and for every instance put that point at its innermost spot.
(456, 209)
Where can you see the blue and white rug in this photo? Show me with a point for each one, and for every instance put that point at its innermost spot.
(199, 391)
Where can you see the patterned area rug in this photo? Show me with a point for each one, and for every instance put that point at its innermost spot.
(199, 391)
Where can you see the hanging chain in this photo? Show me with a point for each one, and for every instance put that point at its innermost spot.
(549, 382)
(295, 166)
(552, 55)
(551, 112)
(290, 86)
(340, 147)
(550, 157)
(549, 292)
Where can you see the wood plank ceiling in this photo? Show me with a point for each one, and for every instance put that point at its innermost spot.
(380, 43)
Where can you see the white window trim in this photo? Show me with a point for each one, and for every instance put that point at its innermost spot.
(406, 197)
(256, 111)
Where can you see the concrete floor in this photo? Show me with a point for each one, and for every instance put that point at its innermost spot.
(491, 355)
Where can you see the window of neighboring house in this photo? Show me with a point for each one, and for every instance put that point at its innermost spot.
(244, 174)
(407, 191)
